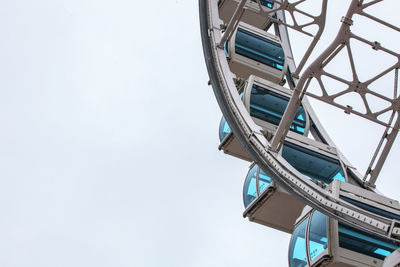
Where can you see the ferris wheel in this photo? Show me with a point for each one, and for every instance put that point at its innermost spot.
(299, 181)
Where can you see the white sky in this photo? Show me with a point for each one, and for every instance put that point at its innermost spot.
(108, 142)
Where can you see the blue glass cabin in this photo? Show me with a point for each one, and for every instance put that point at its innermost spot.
(269, 106)
(315, 165)
(258, 48)
(308, 162)
(355, 240)
(364, 243)
(313, 227)
(229, 143)
(252, 51)
(301, 252)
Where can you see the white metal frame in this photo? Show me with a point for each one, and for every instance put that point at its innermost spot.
(317, 70)
(251, 136)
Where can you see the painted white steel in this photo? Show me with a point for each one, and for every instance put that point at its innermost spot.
(272, 163)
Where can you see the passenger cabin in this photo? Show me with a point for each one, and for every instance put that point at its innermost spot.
(229, 143)
(318, 240)
(251, 14)
(269, 204)
(266, 103)
(251, 50)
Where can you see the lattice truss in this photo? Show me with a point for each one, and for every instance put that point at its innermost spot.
(359, 93)
(355, 86)
(254, 140)
(301, 20)
(356, 94)
(295, 12)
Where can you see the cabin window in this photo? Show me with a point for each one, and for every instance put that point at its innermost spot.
(270, 106)
(297, 246)
(250, 184)
(364, 243)
(259, 48)
(317, 239)
(224, 129)
(313, 164)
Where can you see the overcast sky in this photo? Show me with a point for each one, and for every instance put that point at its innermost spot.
(108, 142)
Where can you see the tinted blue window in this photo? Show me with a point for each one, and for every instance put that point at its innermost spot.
(259, 49)
(365, 243)
(269, 106)
(297, 246)
(226, 49)
(266, 3)
(224, 129)
(318, 240)
(315, 165)
(250, 187)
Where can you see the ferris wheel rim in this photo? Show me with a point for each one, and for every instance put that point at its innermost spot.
(255, 144)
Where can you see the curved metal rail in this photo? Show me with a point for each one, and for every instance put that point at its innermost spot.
(255, 143)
